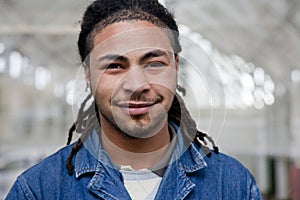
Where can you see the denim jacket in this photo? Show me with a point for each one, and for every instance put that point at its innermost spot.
(192, 175)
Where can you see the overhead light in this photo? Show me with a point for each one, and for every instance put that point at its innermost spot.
(295, 75)
(269, 86)
(244, 84)
(259, 94)
(247, 81)
(259, 76)
(15, 64)
(70, 92)
(247, 98)
(42, 78)
(259, 104)
(269, 99)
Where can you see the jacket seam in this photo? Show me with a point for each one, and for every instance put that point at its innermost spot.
(25, 189)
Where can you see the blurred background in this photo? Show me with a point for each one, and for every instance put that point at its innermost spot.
(247, 99)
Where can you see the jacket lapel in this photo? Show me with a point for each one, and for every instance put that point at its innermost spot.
(107, 184)
(175, 183)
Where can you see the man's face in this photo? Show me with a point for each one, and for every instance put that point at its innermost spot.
(133, 77)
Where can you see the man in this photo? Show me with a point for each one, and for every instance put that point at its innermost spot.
(138, 140)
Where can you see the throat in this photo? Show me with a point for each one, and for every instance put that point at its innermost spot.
(139, 153)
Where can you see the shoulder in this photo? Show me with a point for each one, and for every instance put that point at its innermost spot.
(225, 161)
(41, 177)
(218, 160)
(223, 177)
(223, 167)
(226, 167)
(47, 169)
(225, 173)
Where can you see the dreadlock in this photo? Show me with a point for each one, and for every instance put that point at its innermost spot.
(100, 14)
(181, 116)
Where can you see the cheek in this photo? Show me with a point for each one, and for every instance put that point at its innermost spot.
(166, 81)
(104, 92)
(99, 82)
(105, 89)
(96, 78)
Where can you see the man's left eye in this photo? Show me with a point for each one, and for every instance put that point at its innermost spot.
(155, 64)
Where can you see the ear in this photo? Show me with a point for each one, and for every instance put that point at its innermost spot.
(177, 62)
(87, 74)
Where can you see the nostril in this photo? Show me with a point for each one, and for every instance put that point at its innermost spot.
(136, 81)
(138, 93)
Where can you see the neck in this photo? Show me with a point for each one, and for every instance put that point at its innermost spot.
(137, 152)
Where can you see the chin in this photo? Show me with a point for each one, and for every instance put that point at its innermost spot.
(138, 129)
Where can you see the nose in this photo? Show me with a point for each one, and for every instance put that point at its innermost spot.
(136, 81)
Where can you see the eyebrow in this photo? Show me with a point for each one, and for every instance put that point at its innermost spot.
(153, 54)
(148, 55)
(113, 57)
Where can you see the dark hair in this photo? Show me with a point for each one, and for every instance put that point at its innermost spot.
(101, 13)
(104, 12)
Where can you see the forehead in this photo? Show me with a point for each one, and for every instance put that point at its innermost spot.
(130, 36)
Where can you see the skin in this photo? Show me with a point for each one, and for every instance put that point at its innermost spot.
(133, 77)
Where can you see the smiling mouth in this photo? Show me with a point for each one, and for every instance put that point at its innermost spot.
(136, 108)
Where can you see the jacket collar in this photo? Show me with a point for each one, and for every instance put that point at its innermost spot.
(184, 160)
(88, 157)
(190, 158)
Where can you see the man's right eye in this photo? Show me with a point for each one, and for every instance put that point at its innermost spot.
(114, 66)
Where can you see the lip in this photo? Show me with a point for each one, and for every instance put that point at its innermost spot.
(136, 108)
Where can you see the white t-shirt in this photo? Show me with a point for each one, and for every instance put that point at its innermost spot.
(141, 184)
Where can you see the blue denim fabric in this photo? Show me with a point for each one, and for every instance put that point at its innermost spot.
(192, 175)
